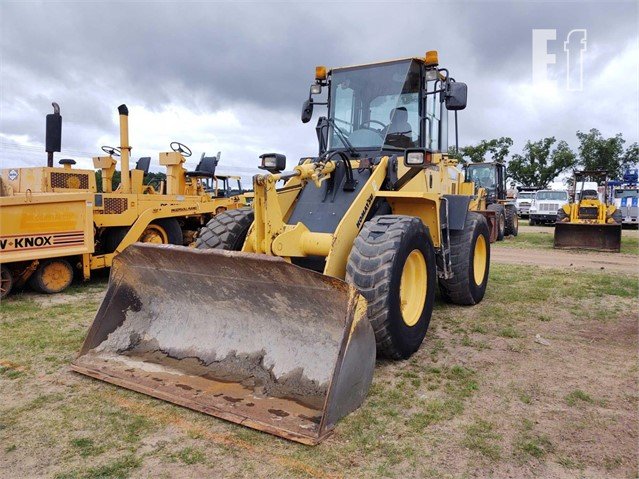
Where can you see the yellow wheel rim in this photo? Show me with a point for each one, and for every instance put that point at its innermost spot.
(56, 276)
(412, 289)
(154, 234)
(479, 259)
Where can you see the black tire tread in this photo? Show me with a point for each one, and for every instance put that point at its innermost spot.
(226, 230)
(455, 290)
(369, 269)
(499, 211)
(512, 228)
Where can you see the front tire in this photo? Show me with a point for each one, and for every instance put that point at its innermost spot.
(500, 214)
(512, 220)
(227, 230)
(470, 258)
(52, 276)
(392, 264)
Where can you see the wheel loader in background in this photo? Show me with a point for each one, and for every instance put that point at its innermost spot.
(275, 319)
(54, 219)
(490, 181)
(591, 221)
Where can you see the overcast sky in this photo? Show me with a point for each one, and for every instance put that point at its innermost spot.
(232, 76)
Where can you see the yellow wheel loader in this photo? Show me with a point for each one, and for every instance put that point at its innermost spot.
(54, 219)
(590, 222)
(275, 319)
(490, 180)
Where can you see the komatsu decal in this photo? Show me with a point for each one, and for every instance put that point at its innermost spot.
(369, 202)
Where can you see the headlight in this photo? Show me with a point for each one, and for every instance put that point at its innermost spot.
(417, 158)
(273, 162)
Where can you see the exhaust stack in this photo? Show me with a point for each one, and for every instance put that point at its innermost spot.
(53, 139)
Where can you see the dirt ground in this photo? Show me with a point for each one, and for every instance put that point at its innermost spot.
(614, 262)
(539, 380)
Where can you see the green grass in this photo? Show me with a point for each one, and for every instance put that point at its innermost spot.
(578, 396)
(481, 437)
(415, 409)
(529, 444)
(118, 469)
(629, 244)
(190, 455)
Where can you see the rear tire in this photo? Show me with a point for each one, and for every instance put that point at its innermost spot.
(392, 264)
(227, 230)
(500, 214)
(6, 282)
(168, 228)
(470, 258)
(512, 220)
(52, 276)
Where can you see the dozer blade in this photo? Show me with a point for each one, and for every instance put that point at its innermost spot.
(600, 237)
(248, 338)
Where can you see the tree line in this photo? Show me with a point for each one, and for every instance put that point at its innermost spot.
(540, 162)
(117, 178)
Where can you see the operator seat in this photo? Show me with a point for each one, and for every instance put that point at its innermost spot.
(399, 132)
(205, 168)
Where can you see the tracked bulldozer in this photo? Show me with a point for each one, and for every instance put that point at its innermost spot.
(275, 319)
(590, 222)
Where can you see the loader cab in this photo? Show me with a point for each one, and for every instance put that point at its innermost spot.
(222, 186)
(491, 177)
(385, 108)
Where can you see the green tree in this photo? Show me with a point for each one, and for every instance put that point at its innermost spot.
(115, 181)
(540, 163)
(148, 178)
(496, 149)
(599, 153)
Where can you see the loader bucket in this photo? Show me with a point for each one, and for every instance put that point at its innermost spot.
(248, 338)
(599, 237)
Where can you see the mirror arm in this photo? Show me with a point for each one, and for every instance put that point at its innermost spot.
(456, 135)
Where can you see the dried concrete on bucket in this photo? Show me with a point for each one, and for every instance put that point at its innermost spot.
(230, 343)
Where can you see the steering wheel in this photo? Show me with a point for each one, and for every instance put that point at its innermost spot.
(111, 150)
(184, 150)
(372, 121)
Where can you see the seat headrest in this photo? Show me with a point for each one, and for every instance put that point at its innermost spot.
(398, 115)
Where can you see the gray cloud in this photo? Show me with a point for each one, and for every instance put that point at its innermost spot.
(258, 59)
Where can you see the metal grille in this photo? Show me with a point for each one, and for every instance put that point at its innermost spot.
(72, 181)
(115, 206)
(589, 212)
(549, 207)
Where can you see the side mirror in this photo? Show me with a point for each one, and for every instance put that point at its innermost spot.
(456, 94)
(273, 162)
(307, 110)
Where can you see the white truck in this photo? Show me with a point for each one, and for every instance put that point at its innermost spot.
(544, 206)
(523, 201)
(627, 200)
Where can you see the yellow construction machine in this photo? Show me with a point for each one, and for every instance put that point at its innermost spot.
(55, 220)
(491, 196)
(275, 319)
(591, 221)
